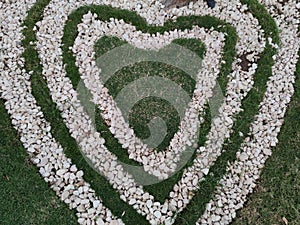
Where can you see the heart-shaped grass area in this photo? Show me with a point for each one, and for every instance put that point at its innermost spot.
(150, 107)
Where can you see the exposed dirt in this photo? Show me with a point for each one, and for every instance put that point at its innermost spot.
(177, 3)
(245, 64)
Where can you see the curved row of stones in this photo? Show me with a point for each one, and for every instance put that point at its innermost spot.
(241, 176)
(34, 131)
(47, 154)
(156, 163)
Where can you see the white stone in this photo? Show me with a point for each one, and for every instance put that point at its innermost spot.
(205, 171)
(157, 214)
(61, 172)
(267, 151)
(64, 195)
(100, 221)
(114, 222)
(132, 202)
(149, 203)
(243, 156)
(96, 203)
(79, 174)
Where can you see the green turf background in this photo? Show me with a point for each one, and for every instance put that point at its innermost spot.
(26, 199)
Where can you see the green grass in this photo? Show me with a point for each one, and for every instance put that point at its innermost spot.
(141, 114)
(276, 195)
(25, 196)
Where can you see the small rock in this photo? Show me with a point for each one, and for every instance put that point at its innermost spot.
(80, 208)
(164, 208)
(149, 204)
(61, 172)
(96, 203)
(64, 195)
(157, 214)
(114, 222)
(205, 171)
(267, 151)
(132, 202)
(100, 221)
(243, 156)
(79, 174)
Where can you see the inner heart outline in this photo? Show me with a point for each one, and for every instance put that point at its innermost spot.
(84, 63)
